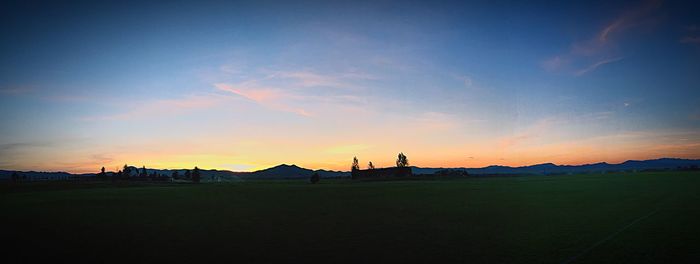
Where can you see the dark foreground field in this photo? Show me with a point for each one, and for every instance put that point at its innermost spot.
(624, 218)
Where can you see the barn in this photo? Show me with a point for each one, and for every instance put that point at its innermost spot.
(393, 172)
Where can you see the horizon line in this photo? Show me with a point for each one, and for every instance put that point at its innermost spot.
(415, 166)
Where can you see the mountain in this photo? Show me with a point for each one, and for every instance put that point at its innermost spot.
(6, 174)
(285, 171)
(550, 168)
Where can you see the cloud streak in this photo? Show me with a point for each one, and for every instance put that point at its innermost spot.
(162, 107)
(269, 97)
(594, 66)
(18, 90)
(587, 55)
(295, 91)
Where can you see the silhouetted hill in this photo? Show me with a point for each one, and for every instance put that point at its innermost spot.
(550, 168)
(285, 171)
(281, 172)
(6, 174)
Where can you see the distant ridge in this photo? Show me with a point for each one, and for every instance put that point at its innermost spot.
(551, 168)
(285, 171)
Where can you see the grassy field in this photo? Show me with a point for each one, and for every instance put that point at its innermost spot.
(624, 218)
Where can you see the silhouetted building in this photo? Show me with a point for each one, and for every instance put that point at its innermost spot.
(393, 172)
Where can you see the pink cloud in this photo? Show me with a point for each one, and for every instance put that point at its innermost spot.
(162, 107)
(293, 91)
(631, 18)
(259, 95)
(603, 43)
(268, 97)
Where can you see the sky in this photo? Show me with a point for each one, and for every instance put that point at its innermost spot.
(248, 85)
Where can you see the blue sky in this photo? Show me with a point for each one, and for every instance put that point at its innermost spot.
(246, 85)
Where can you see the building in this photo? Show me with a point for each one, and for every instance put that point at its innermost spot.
(382, 173)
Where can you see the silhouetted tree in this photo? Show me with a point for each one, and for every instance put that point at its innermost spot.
(401, 161)
(315, 178)
(355, 164)
(102, 173)
(15, 176)
(370, 166)
(188, 174)
(143, 172)
(126, 172)
(196, 175)
(175, 175)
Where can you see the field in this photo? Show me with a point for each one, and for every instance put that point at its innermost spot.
(603, 218)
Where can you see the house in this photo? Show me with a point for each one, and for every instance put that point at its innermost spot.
(380, 173)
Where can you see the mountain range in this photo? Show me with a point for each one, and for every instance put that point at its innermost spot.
(285, 171)
(550, 168)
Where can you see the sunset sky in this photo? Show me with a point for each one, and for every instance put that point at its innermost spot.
(248, 85)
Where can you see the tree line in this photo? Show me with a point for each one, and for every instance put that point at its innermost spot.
(401, 161)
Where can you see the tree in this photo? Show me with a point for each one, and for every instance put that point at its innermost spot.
(401, 161)
(175, 175)
(126, 172)
(188, 174)
(370, 166)
(315, 178)
(355, 164)
(102, 173)
(143, 172)
(196, 175)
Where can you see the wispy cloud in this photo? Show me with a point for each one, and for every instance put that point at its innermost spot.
(589, 54)
(162, 107)
(596, 65)
(16, 90)
(628, 19)
(295, 91)
(269, 97)
(548, 126)
(311, 79)
(259, 95)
